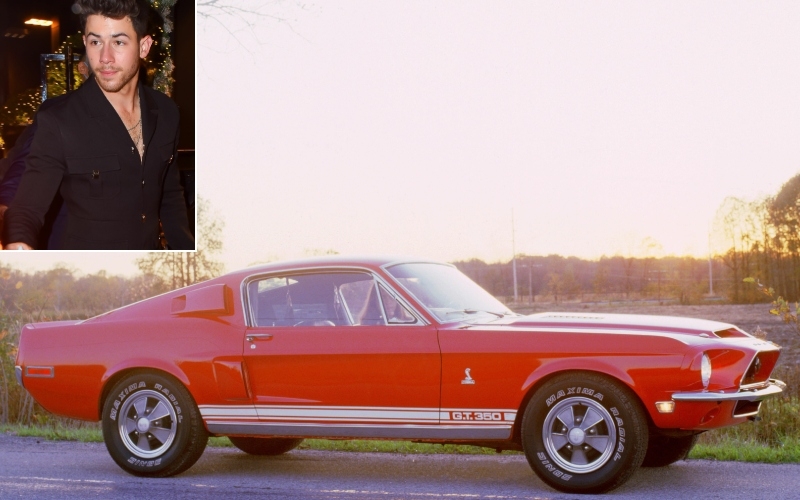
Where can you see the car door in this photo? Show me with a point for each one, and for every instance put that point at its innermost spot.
(483, 379)
(337, 353)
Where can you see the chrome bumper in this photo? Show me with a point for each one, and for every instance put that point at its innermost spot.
(774, 387)
(18, 374)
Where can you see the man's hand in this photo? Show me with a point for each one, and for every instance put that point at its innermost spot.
(18, 246)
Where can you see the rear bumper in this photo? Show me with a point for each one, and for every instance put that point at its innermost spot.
(773, 388)
(18, 374)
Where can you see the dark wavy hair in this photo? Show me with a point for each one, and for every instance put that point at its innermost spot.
(137, 10)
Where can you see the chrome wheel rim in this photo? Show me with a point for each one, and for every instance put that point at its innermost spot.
(147, 424)
(579, 435)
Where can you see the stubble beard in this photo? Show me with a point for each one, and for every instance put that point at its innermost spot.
(119, 80)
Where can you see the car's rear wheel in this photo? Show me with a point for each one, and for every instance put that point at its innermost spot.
(152, 427)
(265, 446)
(665, 450)
(584, 433)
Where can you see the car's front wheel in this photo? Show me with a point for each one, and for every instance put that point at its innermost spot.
(584, 433)
(265, 446)
(152, 427)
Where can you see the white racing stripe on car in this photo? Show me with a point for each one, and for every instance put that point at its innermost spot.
(305, 413)
(333, 414)
(227, 411)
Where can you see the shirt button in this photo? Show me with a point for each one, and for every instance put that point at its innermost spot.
(142, 183)
(133, 150)
(143, 217)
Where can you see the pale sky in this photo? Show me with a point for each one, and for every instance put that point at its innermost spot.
(416, 127)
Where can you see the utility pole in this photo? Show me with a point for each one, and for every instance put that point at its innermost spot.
(514, 257)
(530, 282)
(710, 267)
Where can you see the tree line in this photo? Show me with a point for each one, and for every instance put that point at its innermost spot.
(752, 239)
(761, 239)
(554, 278)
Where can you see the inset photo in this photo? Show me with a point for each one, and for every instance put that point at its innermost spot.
(97, 125)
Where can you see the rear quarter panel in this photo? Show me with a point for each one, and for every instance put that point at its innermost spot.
(88, 357)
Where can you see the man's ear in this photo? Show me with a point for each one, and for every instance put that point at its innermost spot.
(144, 46)
(84, 40)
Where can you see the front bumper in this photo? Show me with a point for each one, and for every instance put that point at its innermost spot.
(773, 388)
(700, 411)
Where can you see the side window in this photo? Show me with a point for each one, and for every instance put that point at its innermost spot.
(319, 299)
(396, 313)
(324, 299)
(300, 300)
(270, 301)
(361, 300)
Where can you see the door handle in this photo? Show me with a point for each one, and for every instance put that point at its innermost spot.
(255, 337)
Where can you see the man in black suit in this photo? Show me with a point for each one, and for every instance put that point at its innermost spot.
(108, 147)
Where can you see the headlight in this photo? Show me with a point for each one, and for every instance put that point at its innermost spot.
(705, 370)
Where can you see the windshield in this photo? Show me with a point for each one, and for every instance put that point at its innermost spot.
(446, 292)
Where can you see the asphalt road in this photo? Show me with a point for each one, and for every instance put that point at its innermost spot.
(34, 468)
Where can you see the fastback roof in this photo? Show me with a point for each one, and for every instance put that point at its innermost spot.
(371, 262)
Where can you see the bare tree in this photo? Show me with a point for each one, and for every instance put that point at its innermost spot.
(235, 16)
(248, 14)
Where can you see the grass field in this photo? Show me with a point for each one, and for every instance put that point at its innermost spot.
(716, 449)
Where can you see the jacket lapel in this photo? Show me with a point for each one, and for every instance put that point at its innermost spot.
(104, 112)
(97, 105)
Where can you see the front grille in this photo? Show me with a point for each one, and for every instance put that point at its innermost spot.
(760, 368)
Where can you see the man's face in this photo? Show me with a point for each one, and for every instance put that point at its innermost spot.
(113, 52)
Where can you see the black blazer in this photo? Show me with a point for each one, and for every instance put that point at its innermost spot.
(114, 199)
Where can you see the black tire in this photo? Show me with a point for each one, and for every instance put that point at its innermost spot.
(265, 446)
(143, 445)
(665, 450)
(574, 457)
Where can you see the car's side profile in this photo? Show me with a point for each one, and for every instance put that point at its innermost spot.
(393, 349)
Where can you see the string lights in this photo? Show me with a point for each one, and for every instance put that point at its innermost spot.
(163, 79)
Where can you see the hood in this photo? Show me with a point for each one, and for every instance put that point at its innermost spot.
(626, 322)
